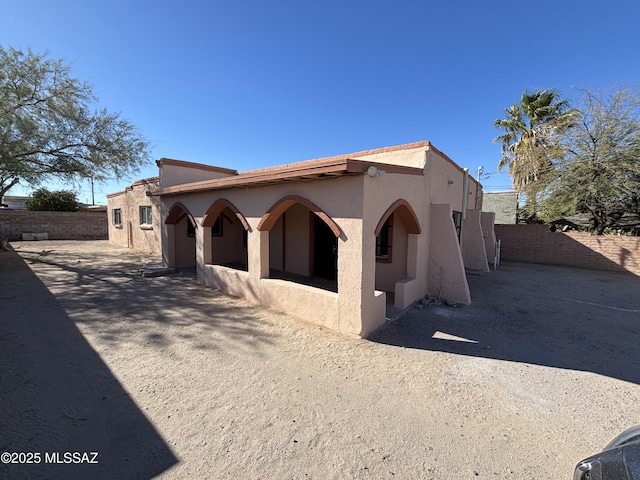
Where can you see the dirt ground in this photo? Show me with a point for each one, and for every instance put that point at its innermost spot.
(164, 378)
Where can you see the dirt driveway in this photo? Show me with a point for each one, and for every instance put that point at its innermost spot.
(164, 378)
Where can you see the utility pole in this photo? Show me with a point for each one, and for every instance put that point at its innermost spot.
(480, 170)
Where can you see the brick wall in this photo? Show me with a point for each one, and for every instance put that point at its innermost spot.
(58, 225)
(537, 244)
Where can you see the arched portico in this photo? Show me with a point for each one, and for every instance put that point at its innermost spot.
(396, 252)
(225, 232)
(303, 242)
(181, 237)
(402, 208)
(217, 208)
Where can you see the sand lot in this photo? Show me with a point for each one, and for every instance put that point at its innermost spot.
(164, 378)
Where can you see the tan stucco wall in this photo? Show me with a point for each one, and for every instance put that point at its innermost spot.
(447, 279)
(297, 239)
(472, 242)
(414, 157)
(276, 245)
(130, 233)
(487, 221)
(185, 246)
(178, 174)
(447, 183)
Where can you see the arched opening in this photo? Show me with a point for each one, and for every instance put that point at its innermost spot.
(181, 237)
(226, 234)
(396, 250)
(303, 243)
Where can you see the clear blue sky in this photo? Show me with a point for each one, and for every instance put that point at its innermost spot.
(247, 84)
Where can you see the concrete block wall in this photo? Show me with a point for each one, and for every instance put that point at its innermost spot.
(537, 244)
(58, 225)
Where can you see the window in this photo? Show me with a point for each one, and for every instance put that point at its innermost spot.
(384, 240)
(216, 230)
(457, 221)
(191, 229)
(145, 216)
(116, 216)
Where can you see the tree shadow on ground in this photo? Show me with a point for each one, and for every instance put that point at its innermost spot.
(561, 317)
(108, 296)
(59, 396)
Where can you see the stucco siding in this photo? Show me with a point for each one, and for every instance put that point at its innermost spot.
(447, 279)
(307, 303)
(185, 246)
(297, 239)
(187, 172)
(472, 242)
(130, 232)
(447, 184)
(414, 157)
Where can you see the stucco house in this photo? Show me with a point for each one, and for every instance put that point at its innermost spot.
(334, 240)
(134, 216)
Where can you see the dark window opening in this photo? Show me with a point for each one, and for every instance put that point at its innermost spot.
(384, 241)
(325, 251)
(191, 229)
(216, 230)
(117, 216)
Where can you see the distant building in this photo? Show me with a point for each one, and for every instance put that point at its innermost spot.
(503, 204)
(17, 203)
(13, 203)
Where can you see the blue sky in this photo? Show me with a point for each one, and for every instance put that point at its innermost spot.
(246, 84)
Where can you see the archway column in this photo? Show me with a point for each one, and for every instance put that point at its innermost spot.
(361, 308)
(258, 244)
(168, 245)
(203, 251)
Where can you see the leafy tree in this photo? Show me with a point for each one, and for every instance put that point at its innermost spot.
(45, 200)
(50, 126)
(530, 142)
(599, 172)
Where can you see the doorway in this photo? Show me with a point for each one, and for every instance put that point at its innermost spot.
(325, 250)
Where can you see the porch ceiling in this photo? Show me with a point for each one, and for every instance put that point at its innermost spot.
(297, 172)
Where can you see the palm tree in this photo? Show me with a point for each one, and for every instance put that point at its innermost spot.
(529, 144)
